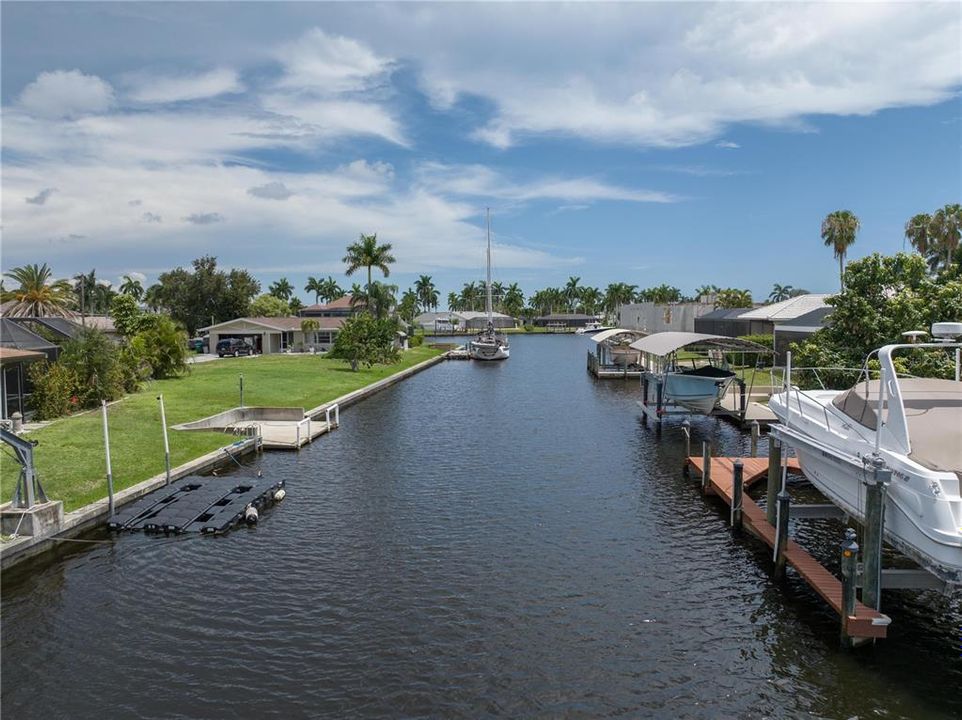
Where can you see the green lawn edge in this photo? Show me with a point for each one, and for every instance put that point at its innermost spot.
(70, 457)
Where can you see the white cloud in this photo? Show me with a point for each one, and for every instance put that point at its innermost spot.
(482, 181)
(727, 145)
(167, 89)
(327, 64)
(66, 93)
(334, 118)
(271, 191)
(207, 218)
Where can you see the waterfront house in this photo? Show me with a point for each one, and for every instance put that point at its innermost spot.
(340, 308)
(277, 334)
(19, 348)
(469, 320)
(652, 317)
(564, 321)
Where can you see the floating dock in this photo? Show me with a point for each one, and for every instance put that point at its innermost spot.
(866, 623)
(196, 504)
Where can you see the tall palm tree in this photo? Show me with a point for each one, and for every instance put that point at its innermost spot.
(408, 307)
(132, 287)
(454, 301)
(37, 294)
(946, 228)
(591, 299)
(368, 254)
(572, 292)
(281, 289)
(839, 229)
(780, 292)
(513, 300)
(918, 232)
(381, 299)
(314, 286)
(426, 293)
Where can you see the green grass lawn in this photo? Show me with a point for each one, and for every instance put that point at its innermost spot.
(70, 454)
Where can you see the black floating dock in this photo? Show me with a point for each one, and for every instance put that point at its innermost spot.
(196, 504)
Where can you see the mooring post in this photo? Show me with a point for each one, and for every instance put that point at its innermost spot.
(706, 466)
(163, 424)
(110, 474)
(756, 430)
(242, 389)
(742, 405)
(738, 474)
(875, 489)
(849, 581)
(686, 428)
(781, 533)
(774, 476)
(660, 394)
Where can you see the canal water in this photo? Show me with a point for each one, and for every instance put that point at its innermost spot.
(481, 540)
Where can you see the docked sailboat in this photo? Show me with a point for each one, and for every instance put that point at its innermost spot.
(913, 426)
(489, 344)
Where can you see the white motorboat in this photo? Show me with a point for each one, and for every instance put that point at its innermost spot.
(489, 344)
(689, 370)
(912, 426)
(593, 327)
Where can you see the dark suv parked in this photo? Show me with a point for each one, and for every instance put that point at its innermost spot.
(235, 347)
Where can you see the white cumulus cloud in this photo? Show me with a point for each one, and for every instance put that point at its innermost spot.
(66, 93)
(175, 88)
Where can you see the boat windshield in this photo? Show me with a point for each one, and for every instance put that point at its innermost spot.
(933, 414)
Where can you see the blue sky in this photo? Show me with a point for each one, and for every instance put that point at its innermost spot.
(682, 143)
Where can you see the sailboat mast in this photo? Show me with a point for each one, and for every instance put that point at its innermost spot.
(488, 298)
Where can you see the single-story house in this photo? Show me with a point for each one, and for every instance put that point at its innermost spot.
(277, 334)
(564, 320)
(336, 308)
(765, 318)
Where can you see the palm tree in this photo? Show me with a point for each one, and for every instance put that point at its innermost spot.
(426, 293)
(572, 292)
(381, 299)
(469, 296)
(454, 301)
(408, 307)
(780, 292)
(946, 228)
(331, 291)
(132, 287)
(295, 305)
(152, 297)
(918, 232)
(619, 294)
(513, 300)
(37, 295)
(281, 289)
(839, 229)
(314, 286)
(358, 297)
(367, 253)
(591, 299)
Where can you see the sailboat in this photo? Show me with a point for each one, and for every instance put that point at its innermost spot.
(489, 345)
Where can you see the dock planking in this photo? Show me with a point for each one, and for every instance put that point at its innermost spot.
(867, 622)
(196, 504)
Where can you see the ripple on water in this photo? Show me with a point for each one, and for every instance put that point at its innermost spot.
(479, 540)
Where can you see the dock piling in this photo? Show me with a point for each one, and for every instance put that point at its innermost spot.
(163, 425)
(242, 389)
(781, 533)
(756, 430)
(737, 490)
(875, 489)
(849, 581)
(706, 467)
(110, 474)
(774, 476)
(686, 428)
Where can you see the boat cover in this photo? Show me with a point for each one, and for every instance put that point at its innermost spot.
(665, 343)
(606, 334)
(933, 413)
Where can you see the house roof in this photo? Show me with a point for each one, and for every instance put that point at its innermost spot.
(278, 324)
(15, 335)
(786, 309)
(342, 303)
(567, 316)
(809, 322)
(474, 314)
(724, 314)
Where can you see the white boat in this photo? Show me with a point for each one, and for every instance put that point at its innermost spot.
(695, 382)
(489, 344)
(593, 327)
(912, 426)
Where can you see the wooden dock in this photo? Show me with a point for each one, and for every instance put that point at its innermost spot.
(867, 622)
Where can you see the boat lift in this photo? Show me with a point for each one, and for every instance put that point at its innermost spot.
(29, 491)
(659, 352)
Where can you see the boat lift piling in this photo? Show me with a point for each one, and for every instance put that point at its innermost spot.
(774, 475)
(875, 491)
(163, 425)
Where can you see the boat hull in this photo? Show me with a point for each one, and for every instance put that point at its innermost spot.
(488, 351)
(921, 523)
(698, 394)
